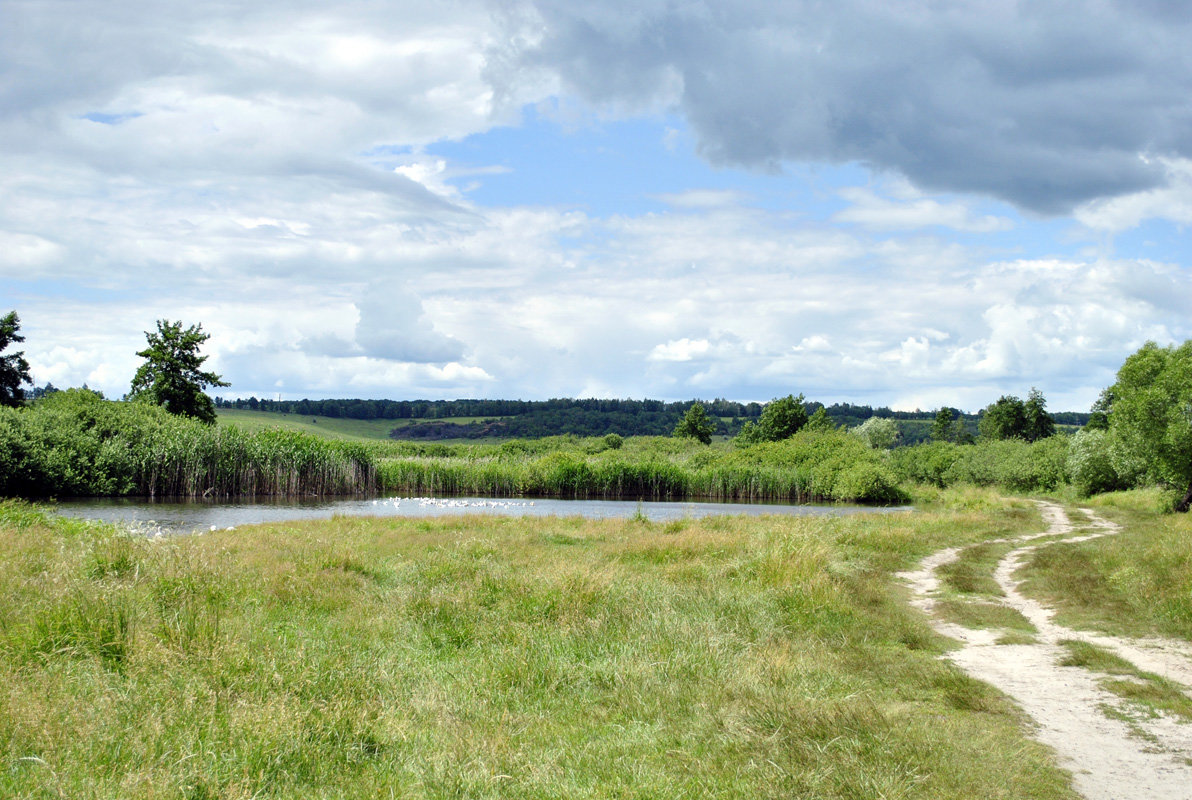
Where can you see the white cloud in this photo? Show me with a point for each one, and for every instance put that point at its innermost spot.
(680, 350)
(1172, 201)
(704, 198)
(909, 213)
(814, 344)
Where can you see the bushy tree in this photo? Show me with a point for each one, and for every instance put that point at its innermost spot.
(781, 419)
(696, 425)
(1004, 419)
(1038, 424)
(14, 369)
(820, 421)
(948, 426)
(1090, 462)
(1011, 418)
(1150, 415)
(941, 427)
(877, 432)
(1099, 413)
(172, 376)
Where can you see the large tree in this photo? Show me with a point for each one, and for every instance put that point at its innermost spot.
(172, 376)
(696, 424)
(880, 433)
(781, 419)
(942, 427)
(1150, 414)
(1039, 424)
(1011, 418)
(1003, 419)
(14, 369)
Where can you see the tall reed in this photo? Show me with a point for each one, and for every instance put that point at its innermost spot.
(809, 467)
(76, 443)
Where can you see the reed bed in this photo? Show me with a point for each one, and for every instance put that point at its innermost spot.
(810, 467)
(74, 444)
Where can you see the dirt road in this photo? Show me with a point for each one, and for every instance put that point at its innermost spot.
(1115, 750)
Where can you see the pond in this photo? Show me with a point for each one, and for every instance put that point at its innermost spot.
(187, 517)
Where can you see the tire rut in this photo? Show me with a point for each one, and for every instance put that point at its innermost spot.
(1113, 751)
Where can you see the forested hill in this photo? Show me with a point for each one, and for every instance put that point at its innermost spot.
(473, 419)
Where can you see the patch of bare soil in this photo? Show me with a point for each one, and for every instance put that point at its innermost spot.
(1114, 750)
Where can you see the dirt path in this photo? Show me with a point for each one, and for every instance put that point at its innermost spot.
(1114, 751)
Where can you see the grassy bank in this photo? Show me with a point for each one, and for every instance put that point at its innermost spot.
(810, 466)
(352, 430)
(489, 657)
(1137, 584)
(74, 443)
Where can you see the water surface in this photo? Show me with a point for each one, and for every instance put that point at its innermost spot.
(186, 517)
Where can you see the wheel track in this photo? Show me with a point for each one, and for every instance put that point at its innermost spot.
(1111, 757)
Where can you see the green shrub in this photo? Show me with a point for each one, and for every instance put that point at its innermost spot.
(1012, 464)
(1090, 464)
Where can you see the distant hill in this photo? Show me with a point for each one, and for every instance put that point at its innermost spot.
(437, 420)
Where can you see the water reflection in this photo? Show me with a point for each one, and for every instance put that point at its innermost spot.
(187, 517)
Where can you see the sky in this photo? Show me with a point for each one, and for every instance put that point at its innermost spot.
(912, 204)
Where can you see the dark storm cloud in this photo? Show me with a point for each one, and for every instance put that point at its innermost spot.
(1045, 105)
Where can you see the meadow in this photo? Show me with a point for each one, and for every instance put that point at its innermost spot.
(345, 428)
(354, 430)
(494, 657)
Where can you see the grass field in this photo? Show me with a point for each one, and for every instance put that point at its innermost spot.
(1133, 585)
(491, 657)
(360, 430)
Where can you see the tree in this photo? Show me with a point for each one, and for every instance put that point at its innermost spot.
(171, 375)
(820, 421)
(1011, 418)
(14, 369)
(1038, 423)
(941, 428)
(1150, 415)
(696, 425)
(1005, 419)
(878, 432)
(1099, 413)
(781, 419)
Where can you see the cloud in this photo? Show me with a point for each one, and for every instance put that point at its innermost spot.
(290, 176)
(703, 198)
(1040, 104)
(1172, 201)
(393, 326)
(679, 350)
(909, 213)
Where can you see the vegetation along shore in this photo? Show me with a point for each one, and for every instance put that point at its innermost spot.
(771, 656)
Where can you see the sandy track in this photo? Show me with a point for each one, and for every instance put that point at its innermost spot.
(1118, 755)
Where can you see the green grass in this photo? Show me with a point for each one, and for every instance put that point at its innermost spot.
(356, 430)
(1136, 583)
(494, 657)
(1152, 694)
(808, 467)
(975, 614)
(972, 572)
